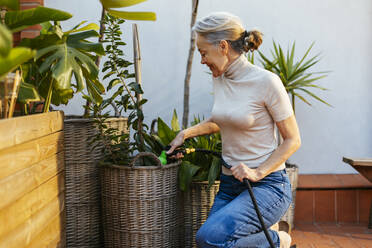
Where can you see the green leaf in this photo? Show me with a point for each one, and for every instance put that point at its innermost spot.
(18, 20)
(136, 87)
(15, 58)
(186, 172)
(94, 88)
(90, 26)
(214, 171)
(64, 61)
(41, 41)
(290, 60)
(305, 55)
(315, 96)
(112, 83)
(27, 93)
(6, 41)
(164, 132)
(108, 4)
(78, 41)
(174, 123)
(61, 96)
(301, 98)
(10, 4)
(140, 16)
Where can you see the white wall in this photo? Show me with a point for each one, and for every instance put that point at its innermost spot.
(342, 31)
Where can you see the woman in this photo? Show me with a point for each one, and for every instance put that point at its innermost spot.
(248, 102)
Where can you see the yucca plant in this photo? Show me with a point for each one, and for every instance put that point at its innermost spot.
(295, 75)
(194, 166)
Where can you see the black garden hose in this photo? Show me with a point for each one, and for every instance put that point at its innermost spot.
(245, 180)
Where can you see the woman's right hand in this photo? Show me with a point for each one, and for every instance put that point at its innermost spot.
(176, 142)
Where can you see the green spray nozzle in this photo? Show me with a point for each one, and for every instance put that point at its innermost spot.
(163, 158)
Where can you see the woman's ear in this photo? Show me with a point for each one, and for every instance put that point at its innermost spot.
(224, 47)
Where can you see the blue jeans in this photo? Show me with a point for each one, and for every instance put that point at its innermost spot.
(233, 221)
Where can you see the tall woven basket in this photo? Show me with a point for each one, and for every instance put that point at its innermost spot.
(197, 202)
(83, 201)
(292, 171)
(139, 204)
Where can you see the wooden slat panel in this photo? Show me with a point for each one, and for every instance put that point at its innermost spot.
(20, 211)
(18, 157)
(25, 233)
(18, 130)
(53, 234)
(24, 181)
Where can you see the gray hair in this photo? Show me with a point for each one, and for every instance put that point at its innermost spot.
(219, 26)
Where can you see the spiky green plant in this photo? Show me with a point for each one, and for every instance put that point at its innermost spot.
(295, 75)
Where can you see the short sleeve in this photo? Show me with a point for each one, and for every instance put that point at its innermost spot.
(277, 100)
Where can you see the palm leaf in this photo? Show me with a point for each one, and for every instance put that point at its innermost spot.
(301, 97)
(314, 96)
(18, 20)
(305, 55)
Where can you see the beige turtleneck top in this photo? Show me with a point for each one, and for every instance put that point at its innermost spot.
(248, 100)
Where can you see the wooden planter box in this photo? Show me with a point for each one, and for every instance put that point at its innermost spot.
(32, 186)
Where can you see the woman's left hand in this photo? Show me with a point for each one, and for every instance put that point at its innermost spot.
(242, 171)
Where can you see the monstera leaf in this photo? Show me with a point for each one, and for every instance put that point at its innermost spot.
(62, 56)
(64, 61)
(110, 4)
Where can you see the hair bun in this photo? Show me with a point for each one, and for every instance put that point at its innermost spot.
(252, 40)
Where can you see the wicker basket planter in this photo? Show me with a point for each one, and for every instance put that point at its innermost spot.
(292, 171)
(196, 203)
(139, 204)
(83, 212)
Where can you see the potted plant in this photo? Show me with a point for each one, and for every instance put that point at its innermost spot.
(80, 129)
(297, 79)
(139, 195)
(15, 20)
(197, 176)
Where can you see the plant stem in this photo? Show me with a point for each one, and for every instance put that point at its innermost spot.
(49, 97)
(102, 29)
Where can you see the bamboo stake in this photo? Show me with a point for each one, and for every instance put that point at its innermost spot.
(6, 79)
(137, 58)
(138, 72)
(1, 108)
(16, 84)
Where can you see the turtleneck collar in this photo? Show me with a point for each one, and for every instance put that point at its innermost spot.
(237, 67)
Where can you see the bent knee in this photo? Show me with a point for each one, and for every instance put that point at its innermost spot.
(208, 237)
